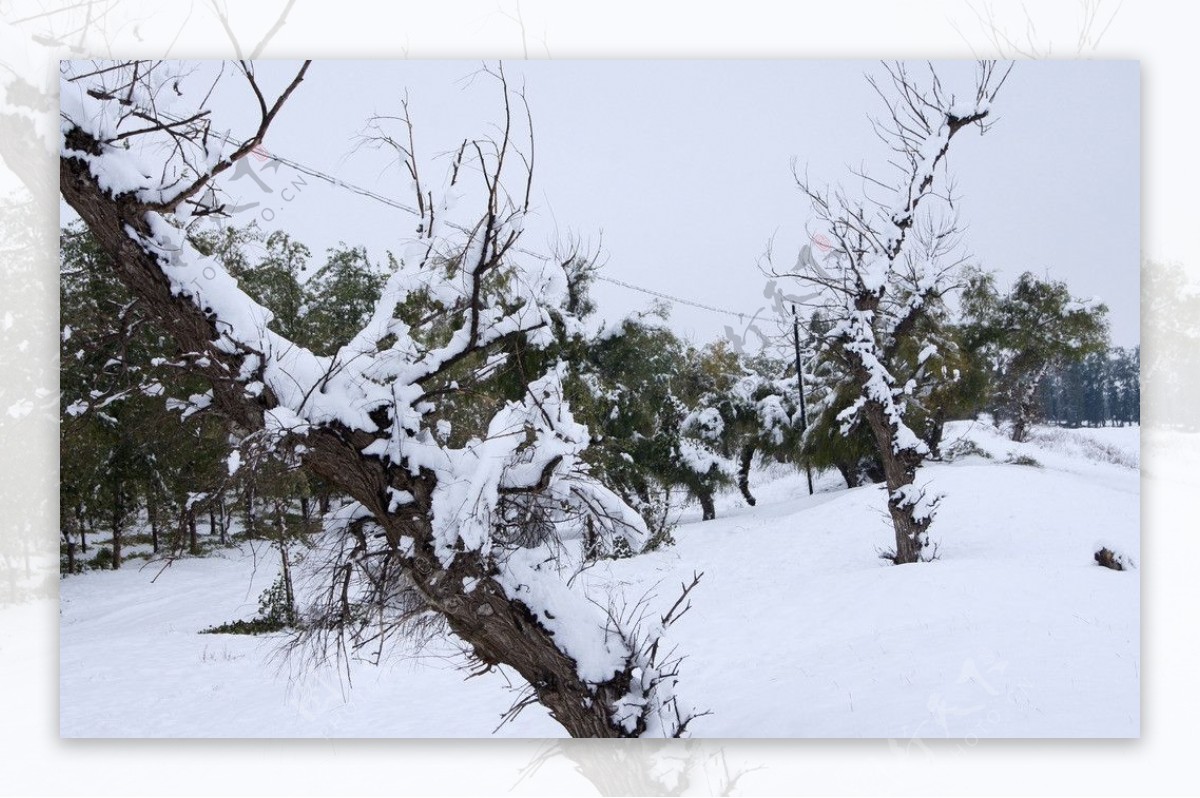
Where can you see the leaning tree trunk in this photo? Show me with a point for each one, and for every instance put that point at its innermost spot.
(498, 629)
(745, 459)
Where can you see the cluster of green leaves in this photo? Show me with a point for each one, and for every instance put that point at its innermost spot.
(1024, 334)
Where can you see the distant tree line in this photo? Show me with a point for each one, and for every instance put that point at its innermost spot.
(1101, 390)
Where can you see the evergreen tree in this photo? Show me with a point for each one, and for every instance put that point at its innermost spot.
(339, 298)
(1026, 333)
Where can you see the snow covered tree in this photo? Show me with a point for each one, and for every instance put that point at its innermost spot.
(1035, 327)
(891, 262)
(630, 381)
(487, 533)
(743, 408)
(672, 416)
(826, 444)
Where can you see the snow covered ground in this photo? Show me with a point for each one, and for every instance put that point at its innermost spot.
(798, 629)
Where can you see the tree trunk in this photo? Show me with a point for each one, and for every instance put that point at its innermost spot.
(936, 429)
(118, 522)
(1020, 428)
(744, 462)
(248, 509)
(900, 470)
(706, 504)
(285, 566)
(591, 545)
(193, 541)
(223, 520)
(152, 515)
(117, 535)
(1026, 406)
(70, 542)
(82, 520)
(849, 473)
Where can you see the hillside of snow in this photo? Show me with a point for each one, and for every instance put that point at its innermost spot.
(798, 628)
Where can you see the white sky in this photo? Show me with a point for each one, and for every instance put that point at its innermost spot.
(683, 168)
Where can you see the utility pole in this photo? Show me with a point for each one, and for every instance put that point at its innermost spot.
(800, 388)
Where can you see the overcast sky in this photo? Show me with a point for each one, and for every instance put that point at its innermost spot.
(682, 169)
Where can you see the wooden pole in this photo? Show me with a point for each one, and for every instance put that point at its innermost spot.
(800, 389)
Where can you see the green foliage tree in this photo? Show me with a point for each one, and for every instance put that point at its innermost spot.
(103, 397)
(339, 298)
(1025, 333)
(745, 407)
(622, 387)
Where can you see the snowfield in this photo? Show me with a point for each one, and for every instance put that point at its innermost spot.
(798, 628)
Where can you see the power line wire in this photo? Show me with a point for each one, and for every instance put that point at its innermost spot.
(362, 191)
(669, 298)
